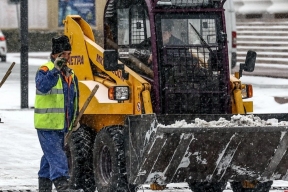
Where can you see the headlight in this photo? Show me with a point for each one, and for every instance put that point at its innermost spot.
(119, 93)
(247, 91)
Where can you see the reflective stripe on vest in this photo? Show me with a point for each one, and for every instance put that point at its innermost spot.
(52, 91)
(49, 112)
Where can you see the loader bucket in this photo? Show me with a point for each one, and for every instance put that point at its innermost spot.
(199, 154)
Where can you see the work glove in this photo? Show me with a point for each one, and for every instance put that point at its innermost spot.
(59, 62)
(66, 70)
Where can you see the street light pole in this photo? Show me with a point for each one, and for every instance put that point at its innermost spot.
(24, 52)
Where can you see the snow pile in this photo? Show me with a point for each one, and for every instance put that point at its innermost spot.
(236, 121)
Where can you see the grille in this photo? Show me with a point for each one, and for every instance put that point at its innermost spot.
(191, 83)
(137, 26)
(188, 3)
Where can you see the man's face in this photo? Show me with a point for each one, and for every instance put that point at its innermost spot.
(166, 36)
(64, 54)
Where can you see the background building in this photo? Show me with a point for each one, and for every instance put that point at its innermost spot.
(45, 14)
(44, 18)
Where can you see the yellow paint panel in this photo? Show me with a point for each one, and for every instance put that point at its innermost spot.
(79, 60)
(95, 107)
(248, 106)
(97, 122)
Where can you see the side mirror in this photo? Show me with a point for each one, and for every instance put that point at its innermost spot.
(110, 60)
(250, 61)
(110, 63)
(249, 64)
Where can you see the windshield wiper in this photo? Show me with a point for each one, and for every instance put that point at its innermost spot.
(214, 55)
(203, 42)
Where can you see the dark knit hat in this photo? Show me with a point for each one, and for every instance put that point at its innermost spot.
(60, 44)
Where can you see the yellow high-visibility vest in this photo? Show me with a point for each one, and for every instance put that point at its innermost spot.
(49, 112)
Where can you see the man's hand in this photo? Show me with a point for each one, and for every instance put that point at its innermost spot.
(59, 62)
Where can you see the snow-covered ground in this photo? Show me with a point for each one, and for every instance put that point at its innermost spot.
(20, 151)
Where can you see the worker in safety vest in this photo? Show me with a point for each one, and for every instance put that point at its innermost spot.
(56, 108)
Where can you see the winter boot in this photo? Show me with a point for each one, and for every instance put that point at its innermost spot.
(61, 184)
(45, 184)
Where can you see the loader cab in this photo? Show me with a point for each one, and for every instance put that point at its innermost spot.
(190, 73)
(126, 27)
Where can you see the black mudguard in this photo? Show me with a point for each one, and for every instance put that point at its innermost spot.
(213, 154)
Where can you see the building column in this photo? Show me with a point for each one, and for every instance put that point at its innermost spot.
(254, 6)
(100, 6)
(278, 6)
(52, 14)
(237, 5)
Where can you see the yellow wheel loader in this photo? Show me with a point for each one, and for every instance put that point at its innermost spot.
(147, 83)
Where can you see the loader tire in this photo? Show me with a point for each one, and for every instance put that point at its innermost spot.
(109, 161)
(207, 186)
(260, 187)
(81, 159)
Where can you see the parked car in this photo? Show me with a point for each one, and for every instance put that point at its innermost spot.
(230, 20)
(3, 47)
